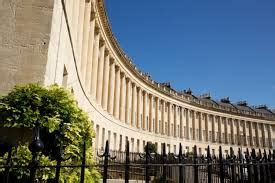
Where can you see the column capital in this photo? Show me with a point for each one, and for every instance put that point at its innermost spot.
(111, 59)
(144, 92)
(122, 74)
(156, 98)
(107, 52)
(92, 15)
(127, 79)
(97, 30)
(117, 67)
(101, 42)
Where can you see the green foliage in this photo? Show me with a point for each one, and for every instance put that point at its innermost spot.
(152, 148)
(57, 112)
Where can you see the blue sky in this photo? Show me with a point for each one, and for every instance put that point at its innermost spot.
(224, 47)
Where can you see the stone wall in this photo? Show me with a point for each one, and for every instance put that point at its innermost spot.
(25, 27)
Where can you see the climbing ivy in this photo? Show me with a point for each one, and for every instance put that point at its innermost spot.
(61, 120)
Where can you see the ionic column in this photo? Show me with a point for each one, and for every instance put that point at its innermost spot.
(100, 73)
(263, 134)
(95, 63)
(80, 33)
(206, 127)
(134, 105)
(151, 102)
(169, 118)
(138, 107)
(85, 42)
(194, 125)
(200, 126)
(213, 128)
(88, 68)
(162, 117)
(238, 132)
(219, 129)
(157, 127)
(244, 133)
(117, 93)
(69, 8)
(250, 133)
(175, 121)
(225, 131)
(257, 134)
(269, 135)
(232, 131)
(128, 101)
(187, 124)
(111, 90)
(165, 122)
(75, 20)
(145, 98)
(122, 97)
(181, 123)
(105, 89)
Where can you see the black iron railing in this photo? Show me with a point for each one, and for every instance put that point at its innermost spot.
(165, 167)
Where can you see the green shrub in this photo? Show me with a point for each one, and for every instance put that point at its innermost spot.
(152, 148)
(56, 110)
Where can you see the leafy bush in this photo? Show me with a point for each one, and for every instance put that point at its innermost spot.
(152, 148)
(61, 120)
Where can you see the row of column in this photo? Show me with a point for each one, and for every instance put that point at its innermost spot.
(218, 129)
(113, 89)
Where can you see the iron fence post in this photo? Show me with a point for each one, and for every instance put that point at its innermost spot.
(196, 176)
(271, 168)
(57, 170)
(233, 170)
(180, 165)
(147, 156)
(272, 165)
(209, 166)
(267, 167)
(36, 146)
(83, 164)
(106, 156)
(164, 162)
(127, 163)
(249, 173)
(33, 167)
(262, 167)
(241, 165)
(255, 166)
(221, 165)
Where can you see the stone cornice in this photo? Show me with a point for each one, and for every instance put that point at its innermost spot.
(188, 99)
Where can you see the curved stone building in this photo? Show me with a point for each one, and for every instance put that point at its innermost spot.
(70, 42)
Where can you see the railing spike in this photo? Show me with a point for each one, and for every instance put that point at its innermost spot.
(209, 167)
(241, 164)
(221, 165)
(127, 162)
(196, 173)
(180, 162)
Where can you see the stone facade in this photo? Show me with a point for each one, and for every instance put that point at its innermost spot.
(24, 41)
(70, 42)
